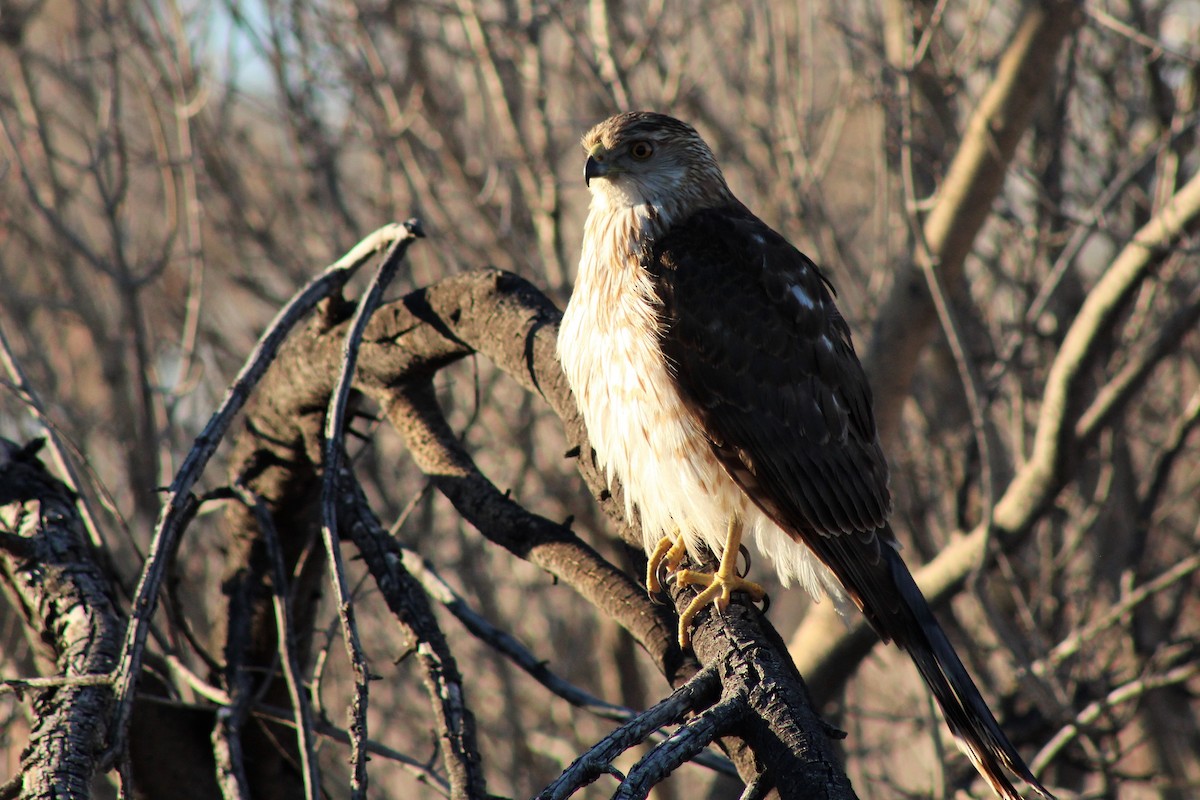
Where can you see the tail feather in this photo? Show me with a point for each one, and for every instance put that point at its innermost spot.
(913, 627)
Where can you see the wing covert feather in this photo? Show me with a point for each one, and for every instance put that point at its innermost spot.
(764, 358)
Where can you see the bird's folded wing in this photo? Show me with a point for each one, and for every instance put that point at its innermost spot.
(764, 359)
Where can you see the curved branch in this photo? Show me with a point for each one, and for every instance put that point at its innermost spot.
(413, 410)
(1042, 476)
(409, 603)
(680, 747)
(334, 442)
(511, 322)
(64, 596)
(175, 504)
(598, 760)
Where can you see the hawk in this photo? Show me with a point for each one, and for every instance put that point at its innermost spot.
(719, 383)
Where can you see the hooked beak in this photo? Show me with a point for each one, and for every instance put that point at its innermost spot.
(593, 169)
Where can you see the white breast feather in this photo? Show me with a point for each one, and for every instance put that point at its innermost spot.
(641, 430)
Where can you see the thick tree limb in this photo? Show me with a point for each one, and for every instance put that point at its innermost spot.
(66, 598)
(551, 546)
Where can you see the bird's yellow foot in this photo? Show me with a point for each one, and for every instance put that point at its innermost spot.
(668, 554)
(719, 585)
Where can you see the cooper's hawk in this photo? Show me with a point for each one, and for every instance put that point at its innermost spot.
(719, 384)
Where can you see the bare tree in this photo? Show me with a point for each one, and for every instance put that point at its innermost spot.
(377, 548)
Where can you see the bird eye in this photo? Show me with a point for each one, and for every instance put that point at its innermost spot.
(641, 150)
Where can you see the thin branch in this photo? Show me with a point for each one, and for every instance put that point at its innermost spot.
(974, 178)
(1157, 47)
(1172, 449)
(1116, 394)
(171, 518)
(680, 747)
(504, 642)
(24, 390)
(1122, 694)
(289, 658)
(418, 769)
(406, 600)
(598, 760)
(520, 655)
(1054, 439)
(335, 426)
(1072, 644)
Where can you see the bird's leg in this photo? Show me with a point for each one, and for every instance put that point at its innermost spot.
(719, 585)
(669, 552)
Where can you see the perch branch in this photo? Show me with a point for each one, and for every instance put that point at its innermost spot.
(513, 324)
(503, 318)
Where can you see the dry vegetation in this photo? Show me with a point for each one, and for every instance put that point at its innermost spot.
(1006, 196)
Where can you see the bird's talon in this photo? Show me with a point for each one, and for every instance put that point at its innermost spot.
(719, 588)
(667, 556)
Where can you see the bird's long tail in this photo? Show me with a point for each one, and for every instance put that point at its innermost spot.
(913, 627)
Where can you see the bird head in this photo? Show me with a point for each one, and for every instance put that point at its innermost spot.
(641, 157)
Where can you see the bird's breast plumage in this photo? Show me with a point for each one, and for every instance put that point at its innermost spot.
(642, 430)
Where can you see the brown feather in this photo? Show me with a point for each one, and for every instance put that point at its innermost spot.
(762, 356)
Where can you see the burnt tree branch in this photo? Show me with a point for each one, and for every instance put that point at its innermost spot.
(65, 599)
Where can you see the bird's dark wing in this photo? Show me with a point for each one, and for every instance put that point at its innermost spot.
(762, 355)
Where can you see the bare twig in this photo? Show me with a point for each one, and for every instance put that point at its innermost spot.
(1117, 393)
(1122, 694)
(964, 199)
(403, 595)
(28, 394)
(335, 425)
(289, 659)
(170, 520)
(510, 647)
(696, 693)
(1054, 440)
(418, 769)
